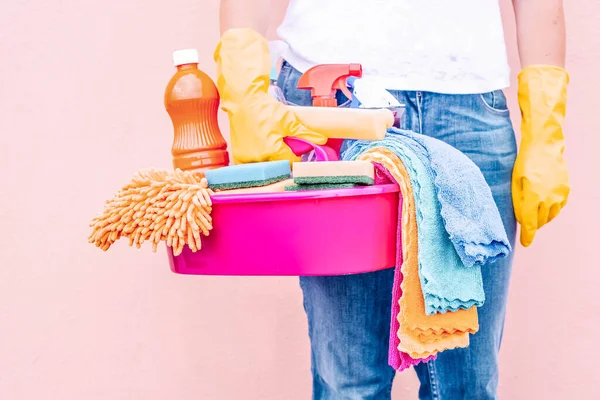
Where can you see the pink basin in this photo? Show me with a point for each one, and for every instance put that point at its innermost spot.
(326, 232)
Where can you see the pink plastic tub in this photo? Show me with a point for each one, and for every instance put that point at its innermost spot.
(326, 232)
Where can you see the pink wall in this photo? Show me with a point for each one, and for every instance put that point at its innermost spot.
(81, 88)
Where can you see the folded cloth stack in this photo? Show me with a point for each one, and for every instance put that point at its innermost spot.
(450, 228)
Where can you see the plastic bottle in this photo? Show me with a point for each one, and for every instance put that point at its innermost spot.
(192, 102)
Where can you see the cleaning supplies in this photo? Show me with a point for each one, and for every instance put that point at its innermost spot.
(470, 215)
(446, 283)
(305, 233)
(397, 359)
(469, 211)
(257, 121)
(420, 335)
(272, 188)
(301, 148)
(248, 175)
(157, 206)
(540, 185)
(319, 186)
(324, 81)
(192, 101)
(367, 94)
(336, 172)
(346, 123)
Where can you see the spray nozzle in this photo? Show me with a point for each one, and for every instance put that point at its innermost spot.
(323, 81)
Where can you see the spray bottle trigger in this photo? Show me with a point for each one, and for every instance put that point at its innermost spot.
(340, 84)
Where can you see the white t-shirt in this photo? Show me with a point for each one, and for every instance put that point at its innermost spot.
(444, 46)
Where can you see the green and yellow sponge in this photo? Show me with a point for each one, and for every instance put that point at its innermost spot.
(333, 174)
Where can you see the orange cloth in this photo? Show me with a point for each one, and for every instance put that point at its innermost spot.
(420, 335)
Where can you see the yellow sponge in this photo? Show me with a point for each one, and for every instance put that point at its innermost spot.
(338, 172)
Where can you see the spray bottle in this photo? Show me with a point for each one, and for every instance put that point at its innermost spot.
(338, 123)
(323, 81)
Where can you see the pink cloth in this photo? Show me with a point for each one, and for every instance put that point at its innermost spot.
(396, 358)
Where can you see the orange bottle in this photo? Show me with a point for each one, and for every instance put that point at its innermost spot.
(192, 101)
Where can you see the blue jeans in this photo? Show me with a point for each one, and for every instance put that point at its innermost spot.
(349, 316)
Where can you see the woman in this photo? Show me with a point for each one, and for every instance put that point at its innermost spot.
(446, 61)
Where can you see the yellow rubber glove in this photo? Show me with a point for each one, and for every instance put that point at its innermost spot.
(540, 184)
(258, 122)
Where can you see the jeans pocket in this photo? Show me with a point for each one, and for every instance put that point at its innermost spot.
(288, 82)
(495, 102)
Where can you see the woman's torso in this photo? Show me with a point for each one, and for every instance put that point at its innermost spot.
(445, 46)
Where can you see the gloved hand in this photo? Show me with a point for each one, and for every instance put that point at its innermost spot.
(258, 122)
(540, 183)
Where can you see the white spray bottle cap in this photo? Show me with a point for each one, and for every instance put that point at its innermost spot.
(185, 56)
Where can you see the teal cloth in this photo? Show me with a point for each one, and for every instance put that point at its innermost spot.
(446, 283)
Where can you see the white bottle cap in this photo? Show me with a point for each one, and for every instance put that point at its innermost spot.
(185, 56)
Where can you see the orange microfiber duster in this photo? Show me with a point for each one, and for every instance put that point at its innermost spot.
(157, 205)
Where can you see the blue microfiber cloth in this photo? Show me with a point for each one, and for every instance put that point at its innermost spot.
(470, 214)
(248, 175)
(446, 283)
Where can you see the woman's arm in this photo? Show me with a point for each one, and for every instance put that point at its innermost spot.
(540, 32)
(253, 14)
(540, 186)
